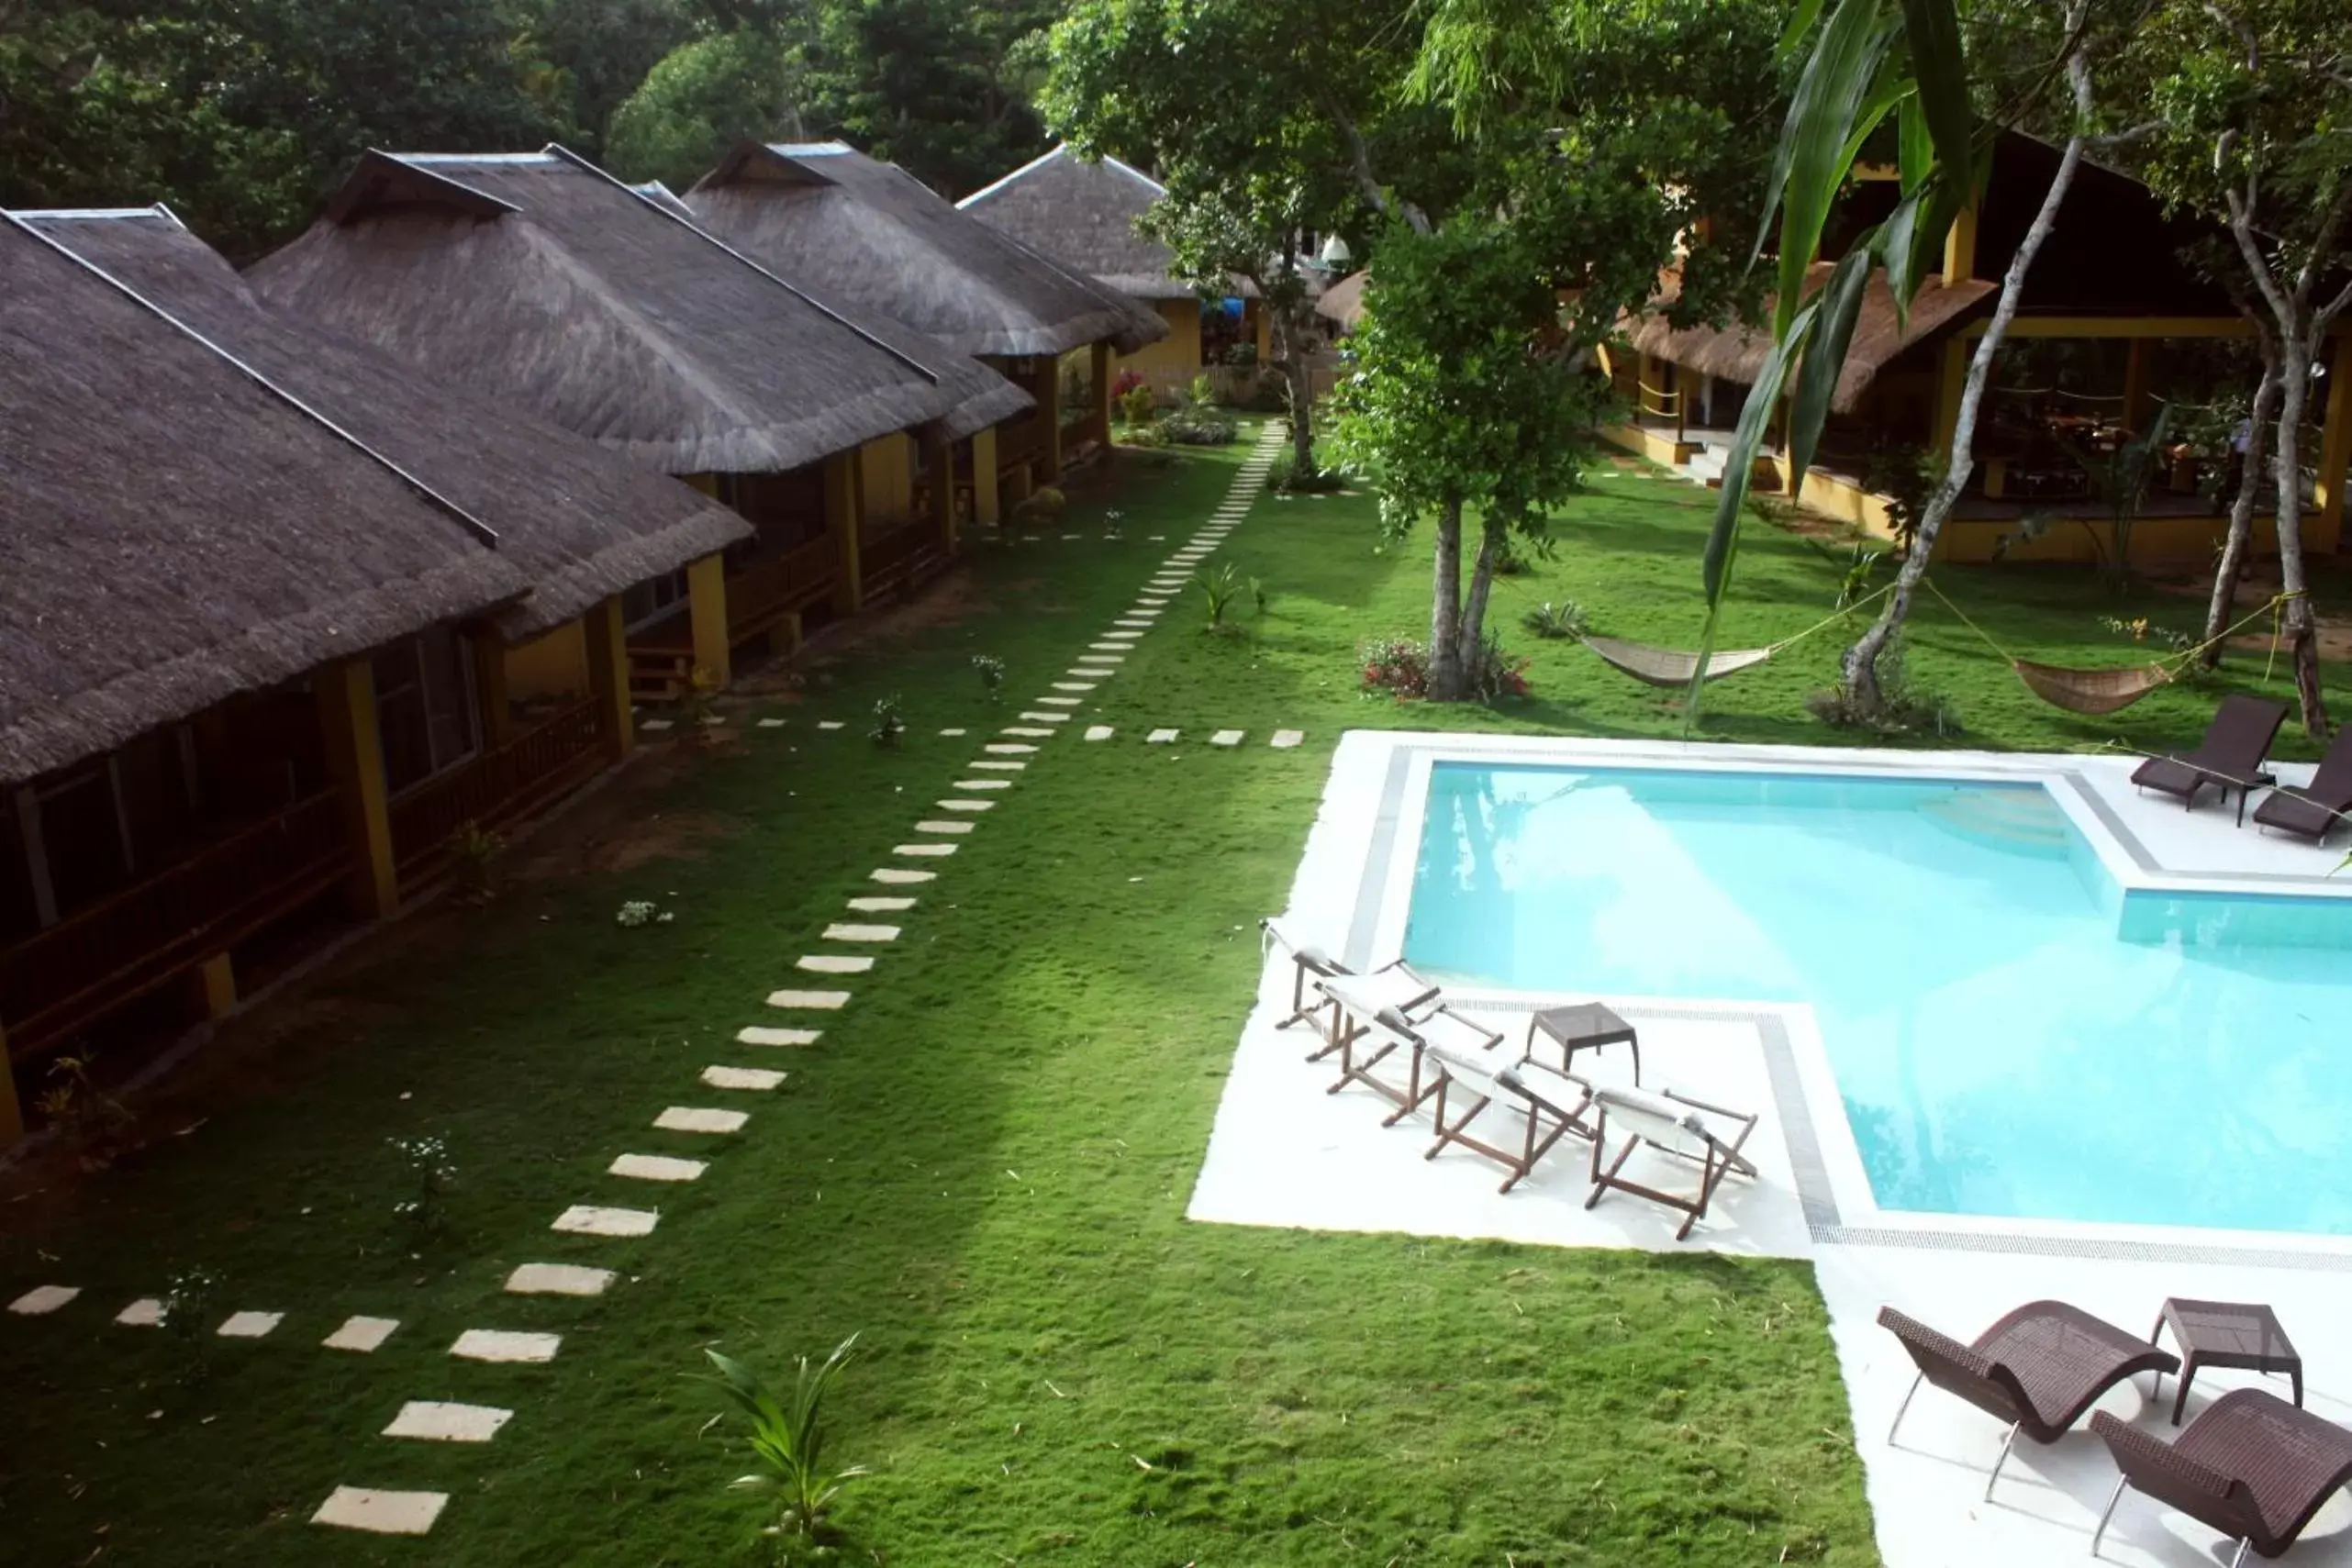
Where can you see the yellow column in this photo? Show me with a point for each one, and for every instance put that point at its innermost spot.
(1048, 392)
(490, 687)
(11, 1114)
(1960, 248)
(1951, 381)
(983, 477)
(1263, 333)
(2138, 368)
(939, 462)
(1102, 352)
(346, 693)
(2326, 530)
(217, 985)
(707, 614)
(607, 646)
(841, 521)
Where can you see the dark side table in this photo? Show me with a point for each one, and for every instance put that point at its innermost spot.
(1583, 1026)
(2225, 1333)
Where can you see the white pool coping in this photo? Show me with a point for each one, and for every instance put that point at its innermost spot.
(1285, 1152)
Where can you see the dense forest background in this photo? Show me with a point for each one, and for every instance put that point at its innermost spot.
(243, 114)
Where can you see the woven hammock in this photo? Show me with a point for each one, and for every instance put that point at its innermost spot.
(1669, 667)
(2091, 691)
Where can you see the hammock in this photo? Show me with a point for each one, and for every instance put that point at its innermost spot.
(1670, 667)
(2091, 691)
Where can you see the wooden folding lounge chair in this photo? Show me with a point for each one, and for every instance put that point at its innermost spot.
(2039, 1368)
(1394, 985)
(1550, 1105)
(1376, 1042)
(2251, 1466)
(2230, 756)
(1669, 1123)
(2311, 809)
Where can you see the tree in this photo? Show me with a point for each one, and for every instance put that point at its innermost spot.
(702, 99)
(2254, 104)
(939, 88)
(1454, 403)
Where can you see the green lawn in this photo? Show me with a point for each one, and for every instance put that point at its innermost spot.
(983, 1167)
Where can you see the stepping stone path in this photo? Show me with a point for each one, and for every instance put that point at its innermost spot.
(1008, 748)
(841, 932)
(43, 1299)
(657, 1167)
(997, 765)
(834, 963)
(559, 1279)
(1161, 737)
(505, 1345)
(588, 1220)
(932, 850)
(1226, 737)
(761, 1035)
(941, 828)
(962, 784)
(250, 1325)
(956, 732)
(819, 1001)
(433, 1421)
(1284, 739)
(1098, 732)
(1073, 685)
(380, 1513)
(965, 806)
(892, 906)
(691, 1118)
(653, 724)
(828, 724)
(750, 1079)
(898, 876)
(1060, 702)
(363, 1336)
(147, 1312)
(771, 724)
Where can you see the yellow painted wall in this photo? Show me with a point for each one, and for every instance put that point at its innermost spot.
(1180, 350)
(553, 665)
(886, 466)
(1659, 445)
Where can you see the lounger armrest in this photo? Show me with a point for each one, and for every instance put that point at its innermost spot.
(1703, 1106)
(2154, 1466)
(1932, 1350)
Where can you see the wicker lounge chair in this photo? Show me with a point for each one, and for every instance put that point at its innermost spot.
(1378, 1039)
(2311, 809)
(2039, 1368)
(1671, 1124)
(2230, 756)
(2251, 1466)
(1394, 985)
(1549, 1104)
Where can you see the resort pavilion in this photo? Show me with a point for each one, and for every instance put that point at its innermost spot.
(282, 620)
(540, 281)
(870, 233)
(2112, 328)
(1083, 216)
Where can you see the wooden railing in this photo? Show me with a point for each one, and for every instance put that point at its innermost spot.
(497, 787)
(148, 934)
(763, 594)
(1659, 403)
(899, 558)
(1020, 441)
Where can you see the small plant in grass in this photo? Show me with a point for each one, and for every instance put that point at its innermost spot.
(1044, 505)
(694, 703)
(1112, 520)
(787, 1438)
(1259, 594)
(1509, 561)
(889, 725)
(1903, 708)
(643, 912)
(473, 849)
(1283, 477)
(1556, 620)
(991, 671)
(1219, 588)
(74, 1104)
(1397, 665)
(1498, 673)
(191, 1299)
(430, 1175)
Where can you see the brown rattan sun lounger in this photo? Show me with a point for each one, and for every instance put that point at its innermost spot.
(2250, 1465)
(2038, 1369)
(2230, 756)
(2311, 809)
(1550, 1105)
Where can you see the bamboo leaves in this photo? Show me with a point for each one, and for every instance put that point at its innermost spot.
(1816, 152)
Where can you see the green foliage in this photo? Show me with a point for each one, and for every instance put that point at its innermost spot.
(788, 1439)
(889, 721)
(75, 1105)
(1137, 405)
(474, 850)
(1283, 477)
(1219, 589)
(1907, 475)
(1201, 420)
(1902, 708)
(428, 1176)
(991, 671)
(701, 99)
(1556, 619)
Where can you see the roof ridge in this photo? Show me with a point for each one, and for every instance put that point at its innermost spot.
(1059, 149)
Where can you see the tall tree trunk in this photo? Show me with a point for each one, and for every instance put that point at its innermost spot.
(1290, 329)
(2302, 631)
(1445, 672)
(1474, 612)
(1862, 659)
(2220, 613)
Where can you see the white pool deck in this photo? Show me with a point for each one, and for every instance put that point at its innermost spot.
(1287, 1152)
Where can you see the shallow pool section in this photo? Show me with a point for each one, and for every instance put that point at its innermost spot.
(2011, 1033)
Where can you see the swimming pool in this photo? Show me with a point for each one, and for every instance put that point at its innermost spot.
(2012, 1033)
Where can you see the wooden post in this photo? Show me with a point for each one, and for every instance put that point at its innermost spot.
(1048, 392)
(984, 478)
(1960, 248)
(841, 510)
(706, 616)
(2326, 530)
(939, 462)
(216, 986)
(2137, 367)
(607, 643)
(490, 687)
(11, 1114)
(1952, 380)
(346, 693)
(1101, 420)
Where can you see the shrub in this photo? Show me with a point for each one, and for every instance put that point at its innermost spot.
(1242, 356)
(1555, 620)
(1497, 674)
(1198, 422)
(1137, 405)
(473, 849)
(1904, 708)
(430, 1176)
(1509, 562)
(1282, 475)
(991, 671)
(1041, 505)
(1125, 382)
(1149, 435)
(641, 912)
(787, 1438)
(888, 725)
(1218, 588)
(1397, 665)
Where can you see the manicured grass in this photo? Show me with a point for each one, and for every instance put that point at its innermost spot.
(983, 1167)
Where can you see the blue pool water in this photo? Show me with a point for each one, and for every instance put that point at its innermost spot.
(2012, 1034)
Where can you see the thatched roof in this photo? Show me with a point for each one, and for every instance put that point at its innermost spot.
(1737, 351)
(868, 232)
(1343, 301)
(1083, 214)
(539, 281)
(177, 532)
(580, 522)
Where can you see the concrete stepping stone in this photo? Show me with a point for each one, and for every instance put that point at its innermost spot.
(505, 1345)
(828, 724)
(1098, 731)
(1286, 738)
(965, 805)
(1161, 737)
(834, 962)
(362, 1336)
(592, 1220)
(1061, 702)
(559, 1279)
(1007, 748)
(250, 1325)
(1080, 687)
(844, 931)
(1226, 737)
(696, 1118)
(1001, 766)
(941, 827)
(1043, 717)
(1074, 536)
(1143, 623)
(43, 1299)
(1107, 646)
(657, 1167)
(761, 1035)
(653, 724)
(933, 851)
(1027, 732)
(956, 732)
(976, 785)
(820, 1001)
(432, 1421)
(771, 724)
(380, 1512)
(898, 876)
(1087, 663)
(892, 906)
(752, 1080)
(147, 1312)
